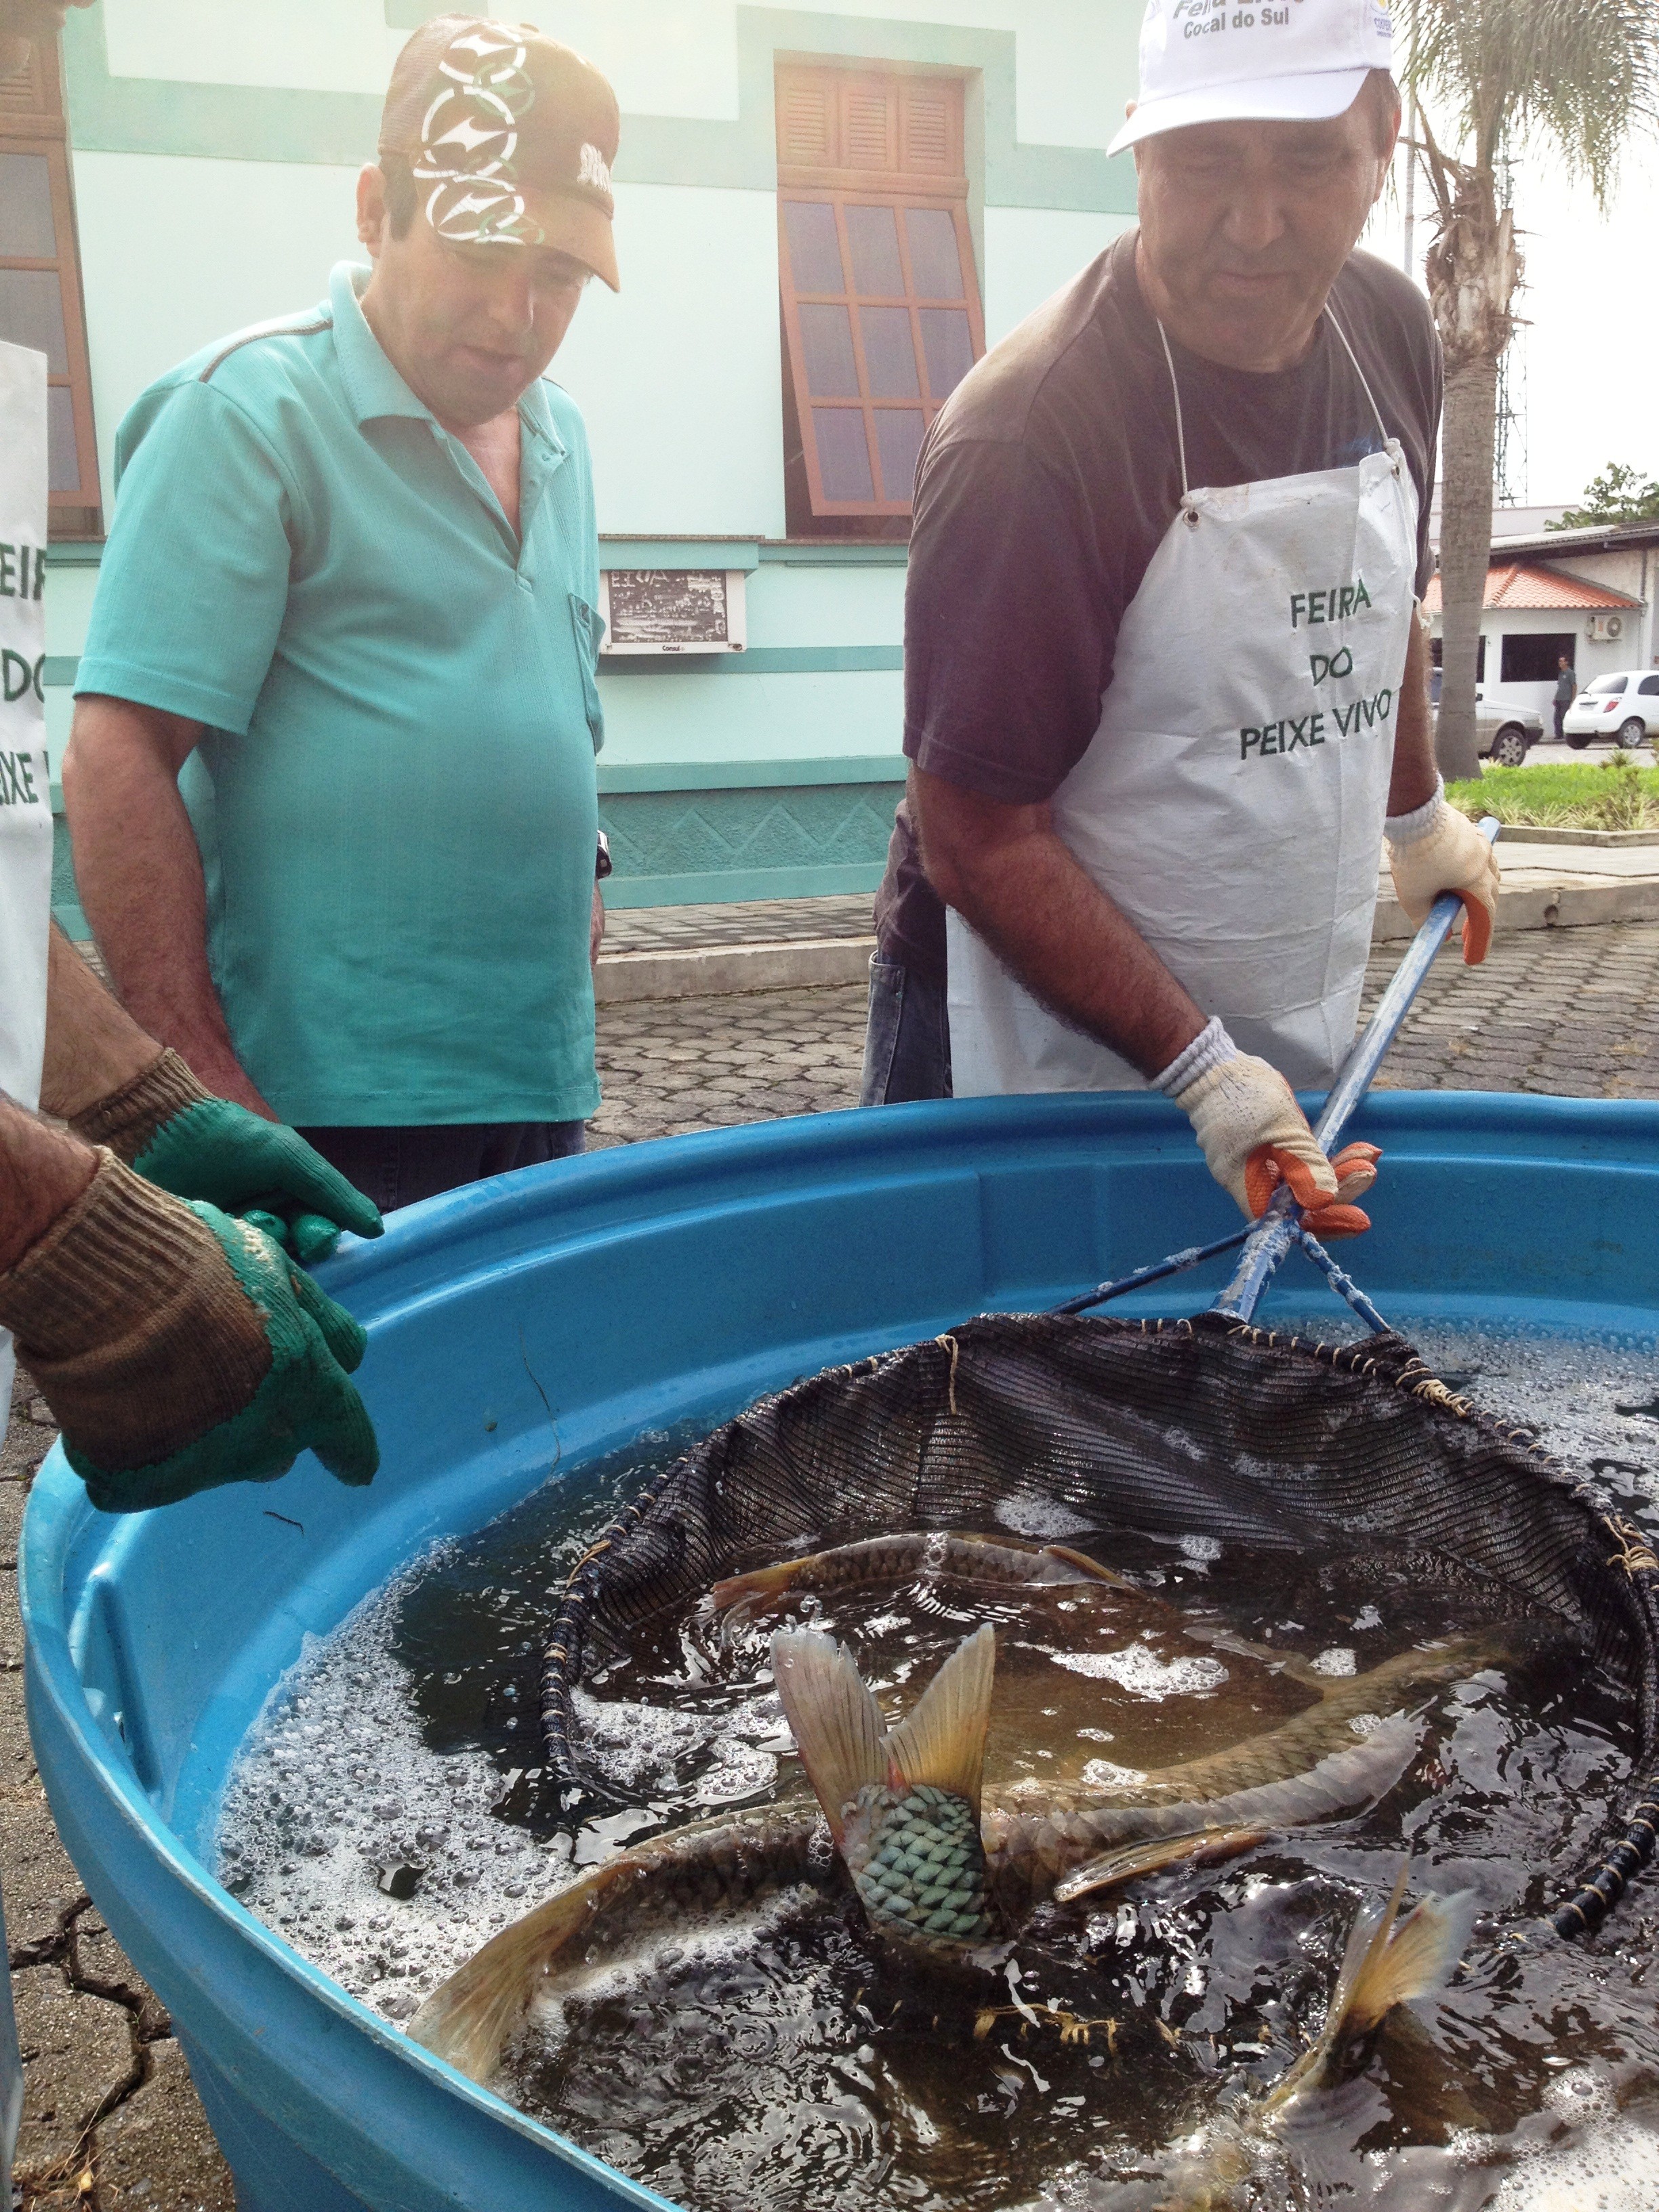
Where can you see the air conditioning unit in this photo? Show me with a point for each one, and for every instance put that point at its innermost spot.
(1607, 629)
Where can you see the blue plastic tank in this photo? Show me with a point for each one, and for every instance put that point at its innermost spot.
(640, 1288)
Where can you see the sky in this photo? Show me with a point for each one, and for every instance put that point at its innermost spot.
(1593, 307)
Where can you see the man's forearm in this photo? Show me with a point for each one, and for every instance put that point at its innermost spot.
(42, 1172)
(1007, 873)
(93, 1047)
(140, 874)
(1413, 779)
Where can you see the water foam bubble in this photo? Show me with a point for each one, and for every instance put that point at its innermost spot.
(1140, 1672)
(335, 1793)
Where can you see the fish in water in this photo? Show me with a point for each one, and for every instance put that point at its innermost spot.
(1063, 1844)
(903, 1808)
(1388, 1962)
(903, 1558)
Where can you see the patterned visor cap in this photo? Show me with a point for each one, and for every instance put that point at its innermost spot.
(510, 136)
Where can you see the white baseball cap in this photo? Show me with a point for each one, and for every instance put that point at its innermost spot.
(1254, 60)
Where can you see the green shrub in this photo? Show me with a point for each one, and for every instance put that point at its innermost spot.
(1612, 795)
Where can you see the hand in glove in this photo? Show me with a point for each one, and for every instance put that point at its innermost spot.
(179, 1348)
(1438, 849)
(1254, 1136)
(173, 1133)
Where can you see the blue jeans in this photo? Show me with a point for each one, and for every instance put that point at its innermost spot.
(907, 1040)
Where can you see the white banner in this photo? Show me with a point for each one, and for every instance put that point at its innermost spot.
(25, 780)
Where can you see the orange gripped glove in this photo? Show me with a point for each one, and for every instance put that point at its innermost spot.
(1434, 849)
(1254, 1136)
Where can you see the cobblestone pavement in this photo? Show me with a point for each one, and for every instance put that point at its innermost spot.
(1569, 1011)
(753, 922)
(1573, 1011)
(111, 2121)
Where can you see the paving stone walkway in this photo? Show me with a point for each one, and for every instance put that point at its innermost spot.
(1569, 1011)
(754, 922)
(111, 2122)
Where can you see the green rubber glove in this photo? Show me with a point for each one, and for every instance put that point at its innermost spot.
(179, 1348)
(173, 1133)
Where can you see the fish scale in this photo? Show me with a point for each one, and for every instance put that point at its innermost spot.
(926, 1868)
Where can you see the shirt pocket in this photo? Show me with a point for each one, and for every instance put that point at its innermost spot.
(589, 626)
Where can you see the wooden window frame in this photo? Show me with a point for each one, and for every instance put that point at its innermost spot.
(900, 190)
(869, 407)
(40, 128)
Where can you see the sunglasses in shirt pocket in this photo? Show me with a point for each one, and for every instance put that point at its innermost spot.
(589, 626)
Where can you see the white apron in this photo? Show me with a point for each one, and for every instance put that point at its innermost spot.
(25, 792)
(1232, 800)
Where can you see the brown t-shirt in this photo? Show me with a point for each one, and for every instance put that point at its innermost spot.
(1044, 488)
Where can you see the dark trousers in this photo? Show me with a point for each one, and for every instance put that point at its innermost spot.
(397, 1166)
(907, 1038)
(1561, 707)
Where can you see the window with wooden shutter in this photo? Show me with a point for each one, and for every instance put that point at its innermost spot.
(881, 309)
(40, 303)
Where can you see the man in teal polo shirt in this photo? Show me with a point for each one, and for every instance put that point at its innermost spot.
(350, 591)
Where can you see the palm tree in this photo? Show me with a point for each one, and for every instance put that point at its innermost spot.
(1580, 77)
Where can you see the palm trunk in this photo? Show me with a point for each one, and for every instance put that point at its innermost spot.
(1473, 270)
(1466, 445)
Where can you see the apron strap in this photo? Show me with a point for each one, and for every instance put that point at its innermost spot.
(1382, 427)
(1181, 427)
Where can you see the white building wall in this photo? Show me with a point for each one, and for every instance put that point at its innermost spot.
(1031, 252)
(680, 374)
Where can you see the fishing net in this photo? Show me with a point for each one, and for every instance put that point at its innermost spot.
(1207, 1425)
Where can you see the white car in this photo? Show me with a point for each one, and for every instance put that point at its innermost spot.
(1624, 707)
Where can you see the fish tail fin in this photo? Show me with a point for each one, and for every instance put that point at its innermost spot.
(1092, 1568)
(469, 2019)
(836, 1723)
(1420, 1956)
(1388, 1961)
(943, 1740)
(762, 1583)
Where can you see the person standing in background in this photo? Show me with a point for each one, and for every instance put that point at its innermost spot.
(351, 591)
(1165, 673)
(1566, 690)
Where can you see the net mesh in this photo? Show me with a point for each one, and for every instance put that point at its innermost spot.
(1206, 1425)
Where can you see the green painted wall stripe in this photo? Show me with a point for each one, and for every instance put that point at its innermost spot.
(219, 122)
(827, 554)
(737, 884)
(680, 553)
(270, 122)
(762, 660)
(615, 776)
(759, 660)
(745, 553)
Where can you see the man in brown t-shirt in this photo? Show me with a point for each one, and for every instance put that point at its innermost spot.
(1164, 677)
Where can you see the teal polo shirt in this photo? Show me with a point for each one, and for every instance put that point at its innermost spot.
(394, 793)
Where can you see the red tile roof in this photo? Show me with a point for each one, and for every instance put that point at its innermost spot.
(1518, 584)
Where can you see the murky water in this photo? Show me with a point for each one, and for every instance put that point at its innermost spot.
(786, 2060)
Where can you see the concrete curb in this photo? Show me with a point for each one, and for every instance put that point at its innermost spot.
(803, 963)
(1616, 841)
(814, 963)
(1547, 906)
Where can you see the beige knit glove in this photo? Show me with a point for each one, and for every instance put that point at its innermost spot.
(1434, 849)
(1254, 1136)
(179, 1347)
